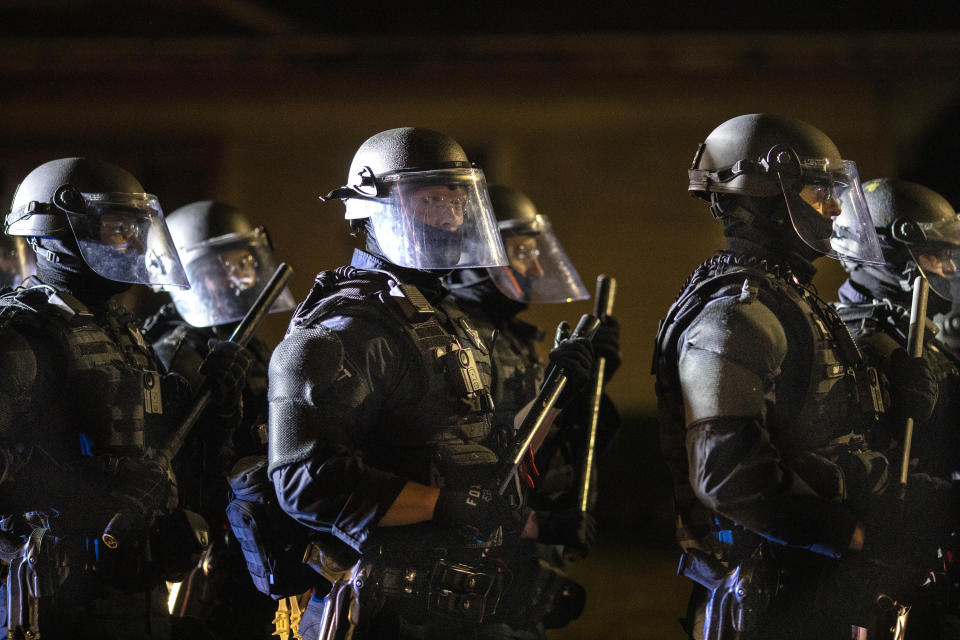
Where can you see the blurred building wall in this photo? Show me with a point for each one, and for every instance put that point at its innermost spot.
(597, 130)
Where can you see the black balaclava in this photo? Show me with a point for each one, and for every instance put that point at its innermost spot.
(869, 284)
(476, 288)
(71, 273)
(762, 225)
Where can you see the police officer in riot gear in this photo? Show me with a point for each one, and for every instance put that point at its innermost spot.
(17, 261)
(380, 407)
(920, 234)
(765, 400)
(228, 262)
(539, 272)
(82, 398)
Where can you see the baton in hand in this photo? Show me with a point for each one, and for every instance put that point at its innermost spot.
(603, 307)
(127, 518)
(918, 322)
(536, 418)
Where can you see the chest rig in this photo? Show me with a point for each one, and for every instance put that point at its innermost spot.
(825, 393)
(113, 388)
(434, 433)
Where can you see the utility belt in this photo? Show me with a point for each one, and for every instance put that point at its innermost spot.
(445, 588)
(420, 592)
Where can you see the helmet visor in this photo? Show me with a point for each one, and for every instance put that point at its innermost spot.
(123, 237)
(938, 258)
(17, 261)
(226, 275)
(539, 271)
(437, 219)
(828, 210)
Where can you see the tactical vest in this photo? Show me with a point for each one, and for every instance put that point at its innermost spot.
(823, 392)
(113, 389)
(433, 436)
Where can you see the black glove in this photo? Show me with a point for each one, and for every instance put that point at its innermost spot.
(606, 344)
(143, 482)
(574, 529)
(575, 357)
(478, 511)
(913, 387)
(225, 368)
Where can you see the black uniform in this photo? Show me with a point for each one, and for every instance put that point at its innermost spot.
(221, 596)
(81, 398)
(881, 328)
(765, 404)
(365, 396)
(542, 592)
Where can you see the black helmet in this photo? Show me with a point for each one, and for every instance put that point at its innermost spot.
(539, 269)
(227, 261)
(428, 206)
(198, 222)
(767, 156)
(918, 228)
(118, 228)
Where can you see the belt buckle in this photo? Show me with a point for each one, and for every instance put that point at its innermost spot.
(463, 591)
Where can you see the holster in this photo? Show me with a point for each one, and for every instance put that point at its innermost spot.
(35, 572)
(738, 595)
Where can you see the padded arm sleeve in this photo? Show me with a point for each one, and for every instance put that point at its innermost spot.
(729, 358)
(323, 403)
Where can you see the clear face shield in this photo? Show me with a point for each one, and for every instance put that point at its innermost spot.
(17, 261)
(938, 257)
(226, 275)
(540, 271)
(123, 237)
(435, 219)
(826, 205)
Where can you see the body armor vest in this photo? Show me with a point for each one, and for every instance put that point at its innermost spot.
(438, 436)
(112, 383)
(432, 437)
(825, 395)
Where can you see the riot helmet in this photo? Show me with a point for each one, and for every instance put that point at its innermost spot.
(118, 228)
(539, 269)
(919, 233)
(427, 207)
(228, 261)
(767, 156)
(17, 261)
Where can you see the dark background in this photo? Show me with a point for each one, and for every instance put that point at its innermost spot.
(595, 114)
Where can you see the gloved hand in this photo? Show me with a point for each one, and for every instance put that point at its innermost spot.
(606, 344)
(143, 482)
(225, 368)
(913, 387)
(574, 529)
(575, 356)
(478, 511)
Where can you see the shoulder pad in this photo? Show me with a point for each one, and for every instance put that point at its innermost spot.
(44, 301)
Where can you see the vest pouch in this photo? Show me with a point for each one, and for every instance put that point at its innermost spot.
(461, 464)
(273, 544)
